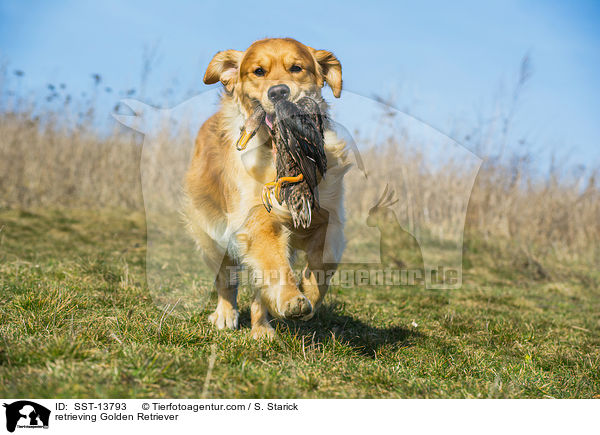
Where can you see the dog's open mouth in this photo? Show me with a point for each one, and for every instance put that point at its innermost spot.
(260, 116)
(270, 120)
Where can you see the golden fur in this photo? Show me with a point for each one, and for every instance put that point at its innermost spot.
(223, 186)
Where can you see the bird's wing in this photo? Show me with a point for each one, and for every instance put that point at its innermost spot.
(311, 108)
(312, 112)
(305, 162)
(309, 139)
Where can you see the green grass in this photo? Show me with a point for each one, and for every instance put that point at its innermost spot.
(77, 320)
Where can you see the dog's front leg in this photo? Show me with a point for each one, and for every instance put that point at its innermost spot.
(226, 314)
(317, 274)
(264, 245)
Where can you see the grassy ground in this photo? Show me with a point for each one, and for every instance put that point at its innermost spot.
(77, 320)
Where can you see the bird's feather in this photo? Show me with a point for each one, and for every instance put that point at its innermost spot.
(299, 149)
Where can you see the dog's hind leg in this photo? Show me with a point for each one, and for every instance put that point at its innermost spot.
(226, 315)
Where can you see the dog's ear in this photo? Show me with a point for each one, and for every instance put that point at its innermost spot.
(224, 67)
(330, 68)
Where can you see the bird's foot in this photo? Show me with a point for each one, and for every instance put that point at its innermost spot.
(276, 186)
(266, 195)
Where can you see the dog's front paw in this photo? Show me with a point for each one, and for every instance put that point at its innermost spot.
(263, 332)
(308, 316)
(225, 318)
(297, 307)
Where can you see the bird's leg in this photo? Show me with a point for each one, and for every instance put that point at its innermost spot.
(277, 186)
(282, 180)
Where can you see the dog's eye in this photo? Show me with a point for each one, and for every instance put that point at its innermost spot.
(259, 72)
(295, 68)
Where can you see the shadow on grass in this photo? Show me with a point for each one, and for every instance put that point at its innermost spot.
(331, 325)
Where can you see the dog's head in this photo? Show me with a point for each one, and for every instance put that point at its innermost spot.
(272, 69)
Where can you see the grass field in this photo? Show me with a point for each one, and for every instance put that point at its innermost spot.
(76, 320)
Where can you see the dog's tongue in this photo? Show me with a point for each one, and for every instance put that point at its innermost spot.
(269, 121)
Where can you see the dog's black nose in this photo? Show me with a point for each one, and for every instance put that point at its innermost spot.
(278, 92)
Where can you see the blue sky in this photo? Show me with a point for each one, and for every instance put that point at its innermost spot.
(443, 60)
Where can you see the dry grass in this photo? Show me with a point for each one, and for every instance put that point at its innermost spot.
(46, 165)
(47, 160)
(542, 215)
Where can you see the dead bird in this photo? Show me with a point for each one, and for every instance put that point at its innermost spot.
(299, 154)
(299, 158)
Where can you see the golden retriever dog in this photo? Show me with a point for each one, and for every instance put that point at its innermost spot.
(225, 212)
